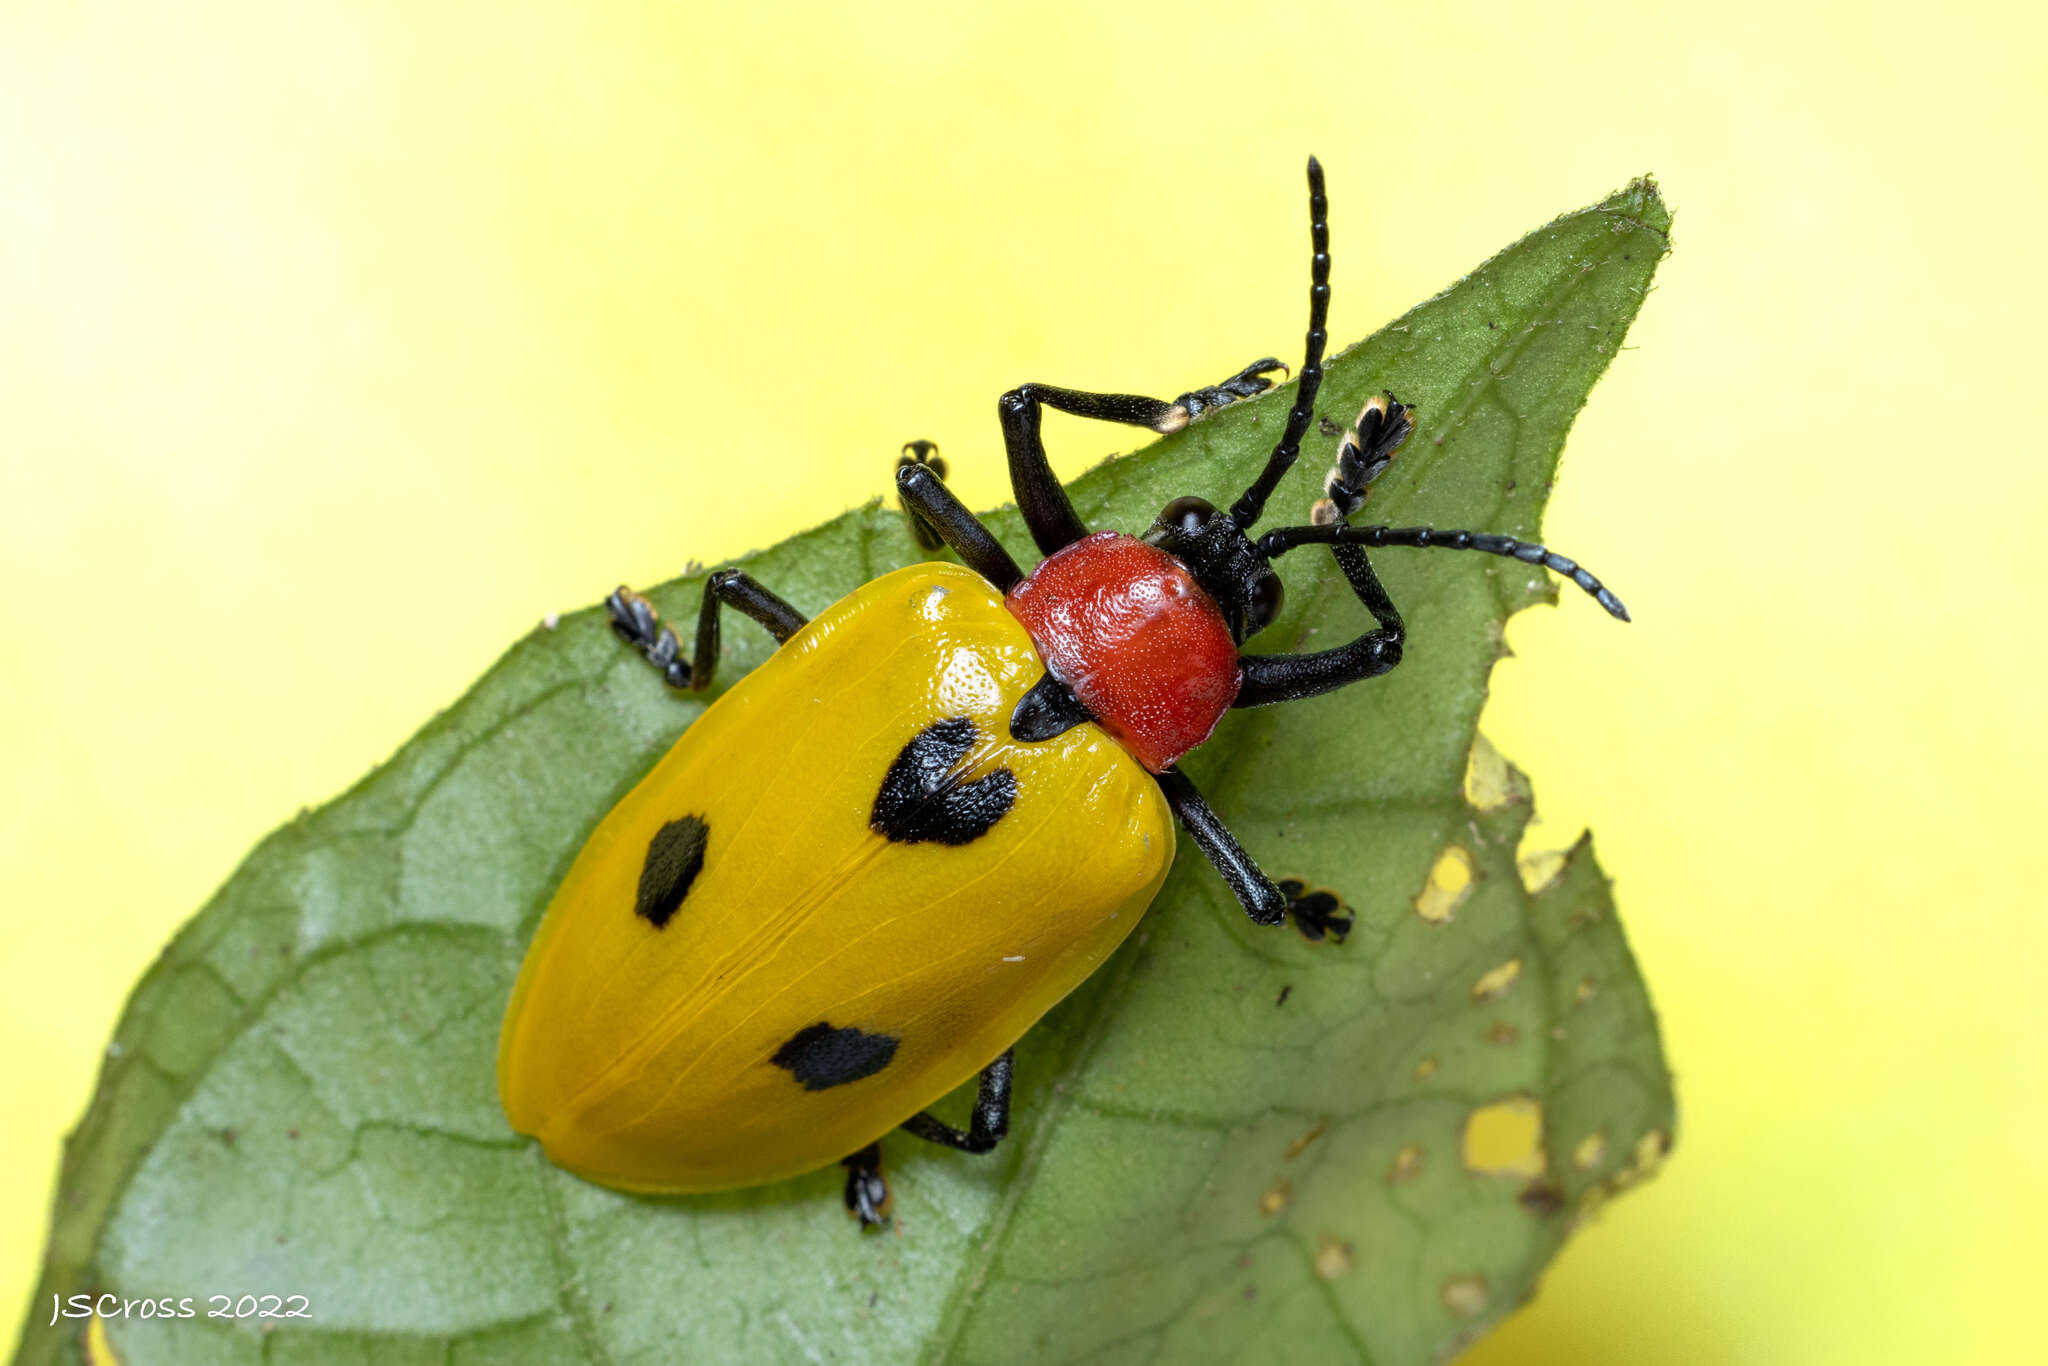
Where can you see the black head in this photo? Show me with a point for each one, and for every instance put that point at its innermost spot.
(1228, 565)
(1236, 570)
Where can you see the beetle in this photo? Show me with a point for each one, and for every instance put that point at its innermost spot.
(877, 860)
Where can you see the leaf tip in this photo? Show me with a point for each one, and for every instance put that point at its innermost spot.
(1640, 203)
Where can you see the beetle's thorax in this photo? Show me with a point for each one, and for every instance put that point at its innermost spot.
(1142, 645)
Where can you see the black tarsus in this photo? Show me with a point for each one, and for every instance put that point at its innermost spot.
(991, 1118)
(1319, 913)
(867, 1190)
(1247, 509)
(636, 622)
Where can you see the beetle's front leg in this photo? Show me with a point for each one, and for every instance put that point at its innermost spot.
(1317, 914)
(1052, 519)
(1289, 678)
(637, 623)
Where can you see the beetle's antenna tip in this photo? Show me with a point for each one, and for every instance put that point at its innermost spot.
(1246, 510)
(1337, 532)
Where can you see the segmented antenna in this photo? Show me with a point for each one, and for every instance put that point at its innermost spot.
(1247, 509)
(1284, 539)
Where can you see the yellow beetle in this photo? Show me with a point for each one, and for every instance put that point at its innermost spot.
(764, 960)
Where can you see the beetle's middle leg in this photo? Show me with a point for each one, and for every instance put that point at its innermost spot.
(636, 621)
(924, 453)
(1052, 519)
(991, 1118)
(867, 1190)
(1318, 915)
(932, 505)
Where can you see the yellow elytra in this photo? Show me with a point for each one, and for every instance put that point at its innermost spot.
(819, 980)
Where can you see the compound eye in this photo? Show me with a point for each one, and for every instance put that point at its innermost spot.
(1188, 514)
(1264, 604)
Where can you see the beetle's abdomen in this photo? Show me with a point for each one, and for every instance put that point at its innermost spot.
(1146, 650)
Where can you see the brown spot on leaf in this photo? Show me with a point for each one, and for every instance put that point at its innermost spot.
(1300, 1144)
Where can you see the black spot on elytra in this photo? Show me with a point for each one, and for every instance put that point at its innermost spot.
(821, 1056)
(674, 858)
(923, 801)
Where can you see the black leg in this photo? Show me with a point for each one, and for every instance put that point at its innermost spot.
(925, 453)
(1317, 914)
(867, 1191)
(1043, 502)
(1363, 454)
(1262, 901)
(991, 1112)
(931, 504)
(635, 620)
(1288, 678)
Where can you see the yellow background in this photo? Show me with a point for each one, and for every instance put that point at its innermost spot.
(339, 342)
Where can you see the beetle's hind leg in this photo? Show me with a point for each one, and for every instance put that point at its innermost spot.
(639, 625)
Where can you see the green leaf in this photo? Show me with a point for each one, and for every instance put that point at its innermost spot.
(1227, 1140)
